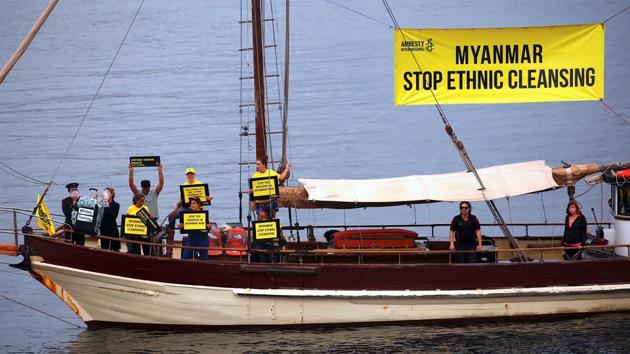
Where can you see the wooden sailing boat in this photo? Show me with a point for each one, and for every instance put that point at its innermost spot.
(114, 289)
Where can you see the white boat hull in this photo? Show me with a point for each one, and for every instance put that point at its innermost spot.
(102, 298)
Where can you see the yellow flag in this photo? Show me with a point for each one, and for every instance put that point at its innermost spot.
(43, 217)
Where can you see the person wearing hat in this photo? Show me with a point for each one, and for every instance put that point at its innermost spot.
(150, 195)
(179, 207)
(69, 204)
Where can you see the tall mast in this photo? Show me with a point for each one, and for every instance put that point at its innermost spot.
(285, 111)
(259, 77)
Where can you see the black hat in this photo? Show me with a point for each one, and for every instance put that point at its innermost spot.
(72, 186)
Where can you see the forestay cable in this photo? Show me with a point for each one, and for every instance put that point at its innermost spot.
(87, 111)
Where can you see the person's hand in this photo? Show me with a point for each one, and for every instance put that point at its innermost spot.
(479, 247)
(451, 247)
(130, 168)
(159, 168)
(209, 197)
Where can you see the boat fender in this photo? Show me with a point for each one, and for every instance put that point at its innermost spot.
(623, 174)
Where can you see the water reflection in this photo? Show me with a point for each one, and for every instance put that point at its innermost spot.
(598, 333)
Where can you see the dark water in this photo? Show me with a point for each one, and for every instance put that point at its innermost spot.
(174, 92)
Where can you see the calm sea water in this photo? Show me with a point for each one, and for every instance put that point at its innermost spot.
(174, 91)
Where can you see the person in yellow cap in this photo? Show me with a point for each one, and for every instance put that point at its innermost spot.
(179, 207)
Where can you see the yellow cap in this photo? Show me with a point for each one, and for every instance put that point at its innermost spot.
(190, 170)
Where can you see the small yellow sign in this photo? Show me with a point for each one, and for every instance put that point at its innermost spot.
(264, 230)
(195, 221)
(264, 187)
(188, 191)
(134, 226)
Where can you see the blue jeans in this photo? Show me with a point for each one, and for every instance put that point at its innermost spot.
(196, 239)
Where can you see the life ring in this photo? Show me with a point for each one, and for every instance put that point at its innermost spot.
(624, 174)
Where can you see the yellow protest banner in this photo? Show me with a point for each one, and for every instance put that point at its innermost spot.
(188, 191)
(194, 220)
(133, 225)
(264, 187)
(499, 65)
(43, 217)
(264, 230)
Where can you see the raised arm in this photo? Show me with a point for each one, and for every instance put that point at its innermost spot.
(132, 185)
(285, 173)
(160, 184)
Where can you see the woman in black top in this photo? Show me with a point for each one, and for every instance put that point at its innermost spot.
(574, 230)
(109, 227)
(465, 234)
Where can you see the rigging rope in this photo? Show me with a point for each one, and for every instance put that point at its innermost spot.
(542, 201)
(615, 112)
(617, 14)
(360, 14)
(40, 311)
(463, 153)
(19, 175)
(76, 133)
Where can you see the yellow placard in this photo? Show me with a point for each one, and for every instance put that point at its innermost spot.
(44, 219)
(264, 187)
(195, 221)
(499, 65)
(194, 190)
(134, 226)
(266, 229)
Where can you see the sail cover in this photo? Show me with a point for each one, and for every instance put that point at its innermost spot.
(500, 181)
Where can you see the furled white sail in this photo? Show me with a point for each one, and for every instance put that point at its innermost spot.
(500, 182)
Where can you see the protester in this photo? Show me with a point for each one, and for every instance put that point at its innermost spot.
(465, 234)
(575, 233)
(69, 204)
(261, 172)
(109, 227)
(196, 238)
(150, 195)
(138, 204)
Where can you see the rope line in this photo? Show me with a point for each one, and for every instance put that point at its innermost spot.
(615, 112)
(76, 133)
(19, 175)
(617, 14)
(98, 90)
(361, 14)
(40, 311)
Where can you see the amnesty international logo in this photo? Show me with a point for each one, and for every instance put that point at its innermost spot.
(417, 46)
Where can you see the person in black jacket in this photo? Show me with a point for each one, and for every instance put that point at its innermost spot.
(69, 204)
(109, 227)
(465, 234)
(574, 230)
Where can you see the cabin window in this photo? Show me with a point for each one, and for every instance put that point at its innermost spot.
(623, 201)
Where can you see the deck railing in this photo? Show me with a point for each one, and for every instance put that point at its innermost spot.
(360, 253)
